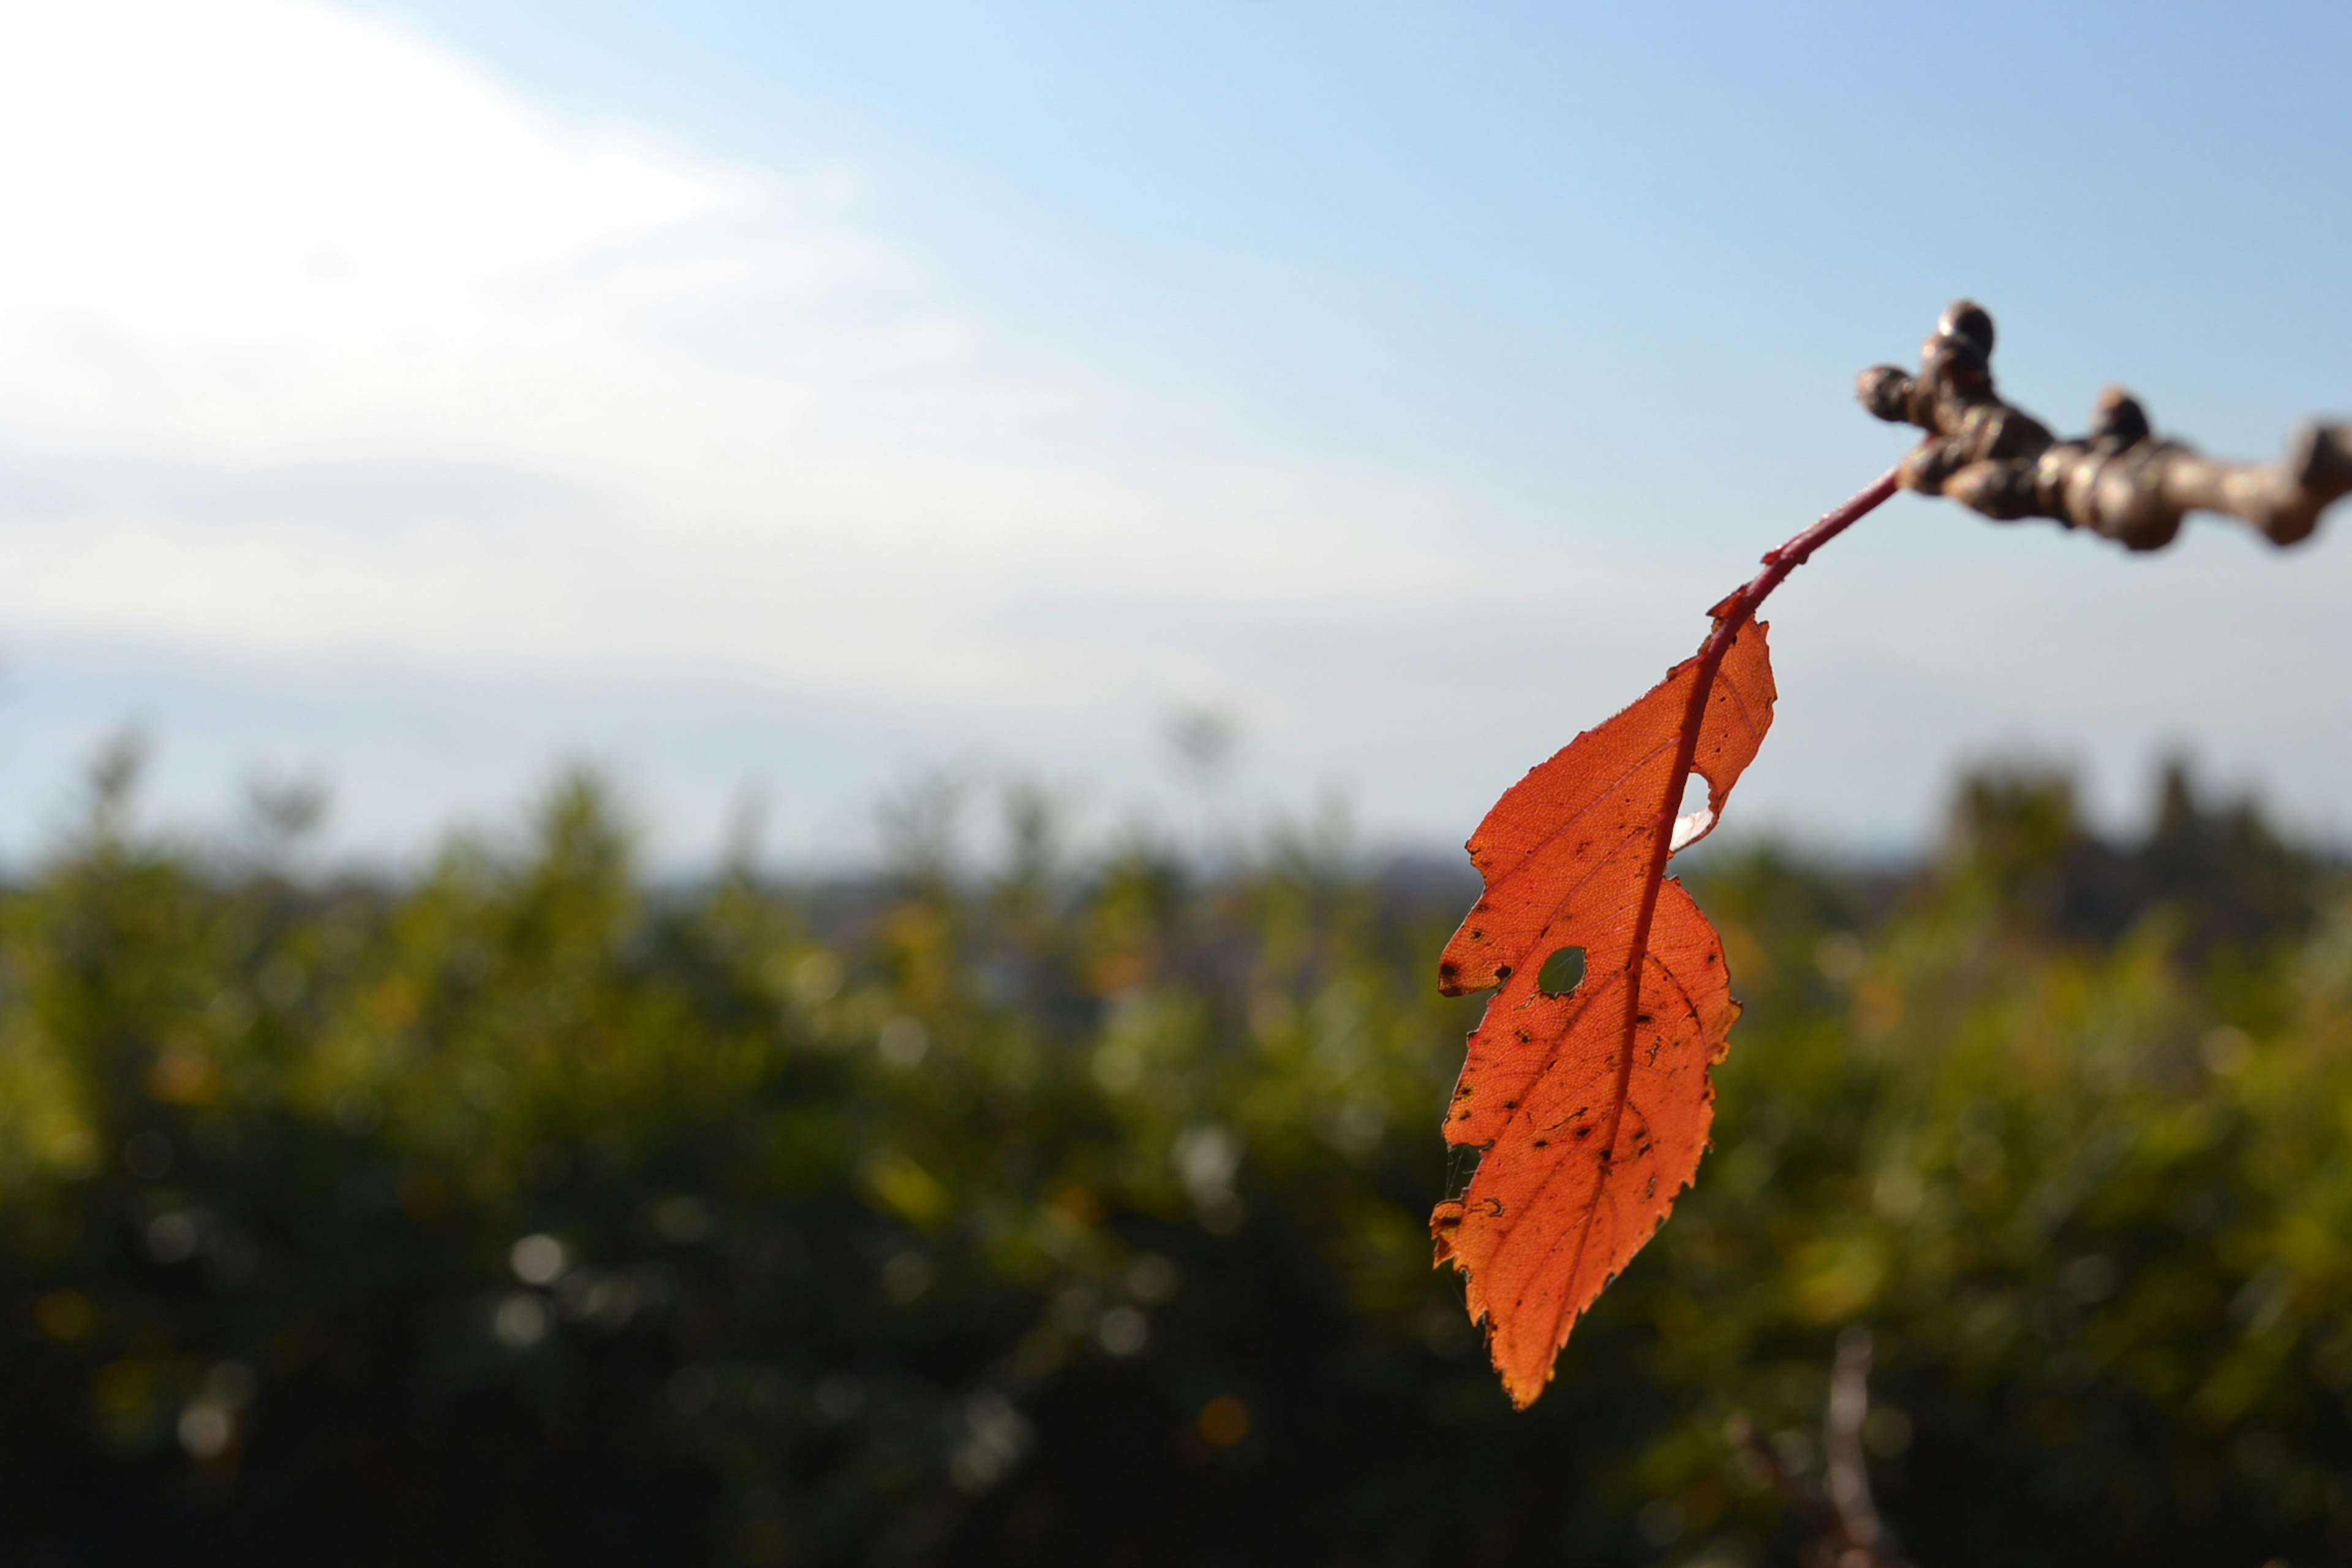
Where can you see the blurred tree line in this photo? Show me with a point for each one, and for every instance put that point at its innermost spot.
(1074, 1210)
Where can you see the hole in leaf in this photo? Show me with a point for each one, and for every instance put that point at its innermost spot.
(1562, 973)
(1693, 817)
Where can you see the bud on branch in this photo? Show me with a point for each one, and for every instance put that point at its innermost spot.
(2119, 481)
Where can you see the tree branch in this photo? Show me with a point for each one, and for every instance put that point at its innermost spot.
(1848, 1479)
(1850, 1534)
(2119, 481)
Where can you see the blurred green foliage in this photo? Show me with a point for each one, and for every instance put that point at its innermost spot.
(1073, 1210)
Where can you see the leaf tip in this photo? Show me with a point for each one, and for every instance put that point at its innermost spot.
(1525, 1391)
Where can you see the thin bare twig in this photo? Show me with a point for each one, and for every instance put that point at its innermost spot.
(1848, 1477)
(1800, 1492)
(1850, 1533)
(2119, 481)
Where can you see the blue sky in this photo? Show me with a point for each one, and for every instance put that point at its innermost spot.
(790, 399)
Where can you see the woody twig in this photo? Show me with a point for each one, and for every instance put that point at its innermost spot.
(1848, 1532)
(2119, 481)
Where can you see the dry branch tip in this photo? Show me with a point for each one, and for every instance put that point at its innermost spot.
(2118, 480)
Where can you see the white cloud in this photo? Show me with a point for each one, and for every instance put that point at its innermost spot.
(320, 339)
(325, 349)
(319, 347)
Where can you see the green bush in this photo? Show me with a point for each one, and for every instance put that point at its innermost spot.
(1075, 1211)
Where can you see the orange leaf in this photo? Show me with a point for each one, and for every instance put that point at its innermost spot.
(1591, 1100)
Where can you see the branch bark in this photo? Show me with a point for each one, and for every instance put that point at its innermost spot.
(1850, 1533)
(2119, 481)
